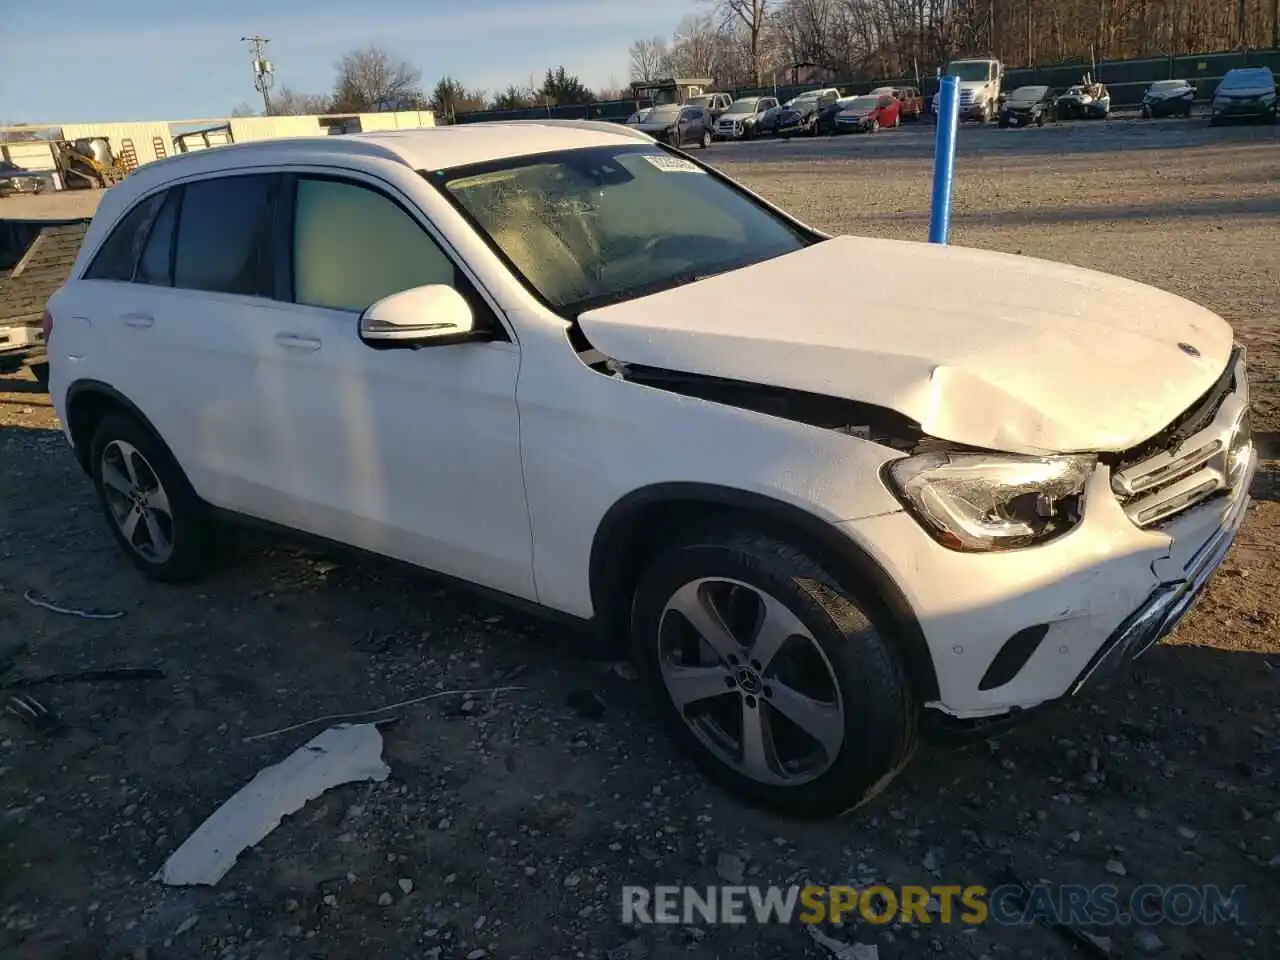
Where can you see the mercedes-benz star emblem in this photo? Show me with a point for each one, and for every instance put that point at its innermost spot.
(1188, 349)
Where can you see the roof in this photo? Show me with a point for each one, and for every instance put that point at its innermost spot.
(427, 148)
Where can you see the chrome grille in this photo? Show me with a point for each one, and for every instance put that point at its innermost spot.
(1201, 460)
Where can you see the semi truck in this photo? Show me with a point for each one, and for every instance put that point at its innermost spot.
(980, 81)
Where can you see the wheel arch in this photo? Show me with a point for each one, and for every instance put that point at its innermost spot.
(88, 402)
(641, 523)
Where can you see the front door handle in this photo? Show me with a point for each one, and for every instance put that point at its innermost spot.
(292, 341)
(137, 319)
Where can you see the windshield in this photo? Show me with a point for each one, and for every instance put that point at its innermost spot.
(742, 106)
(1253, 77)
(663, 113)
(862, 103)
(1028, 93)
(699, 101)
(970, 72)
(1168, 85)
(600, 225)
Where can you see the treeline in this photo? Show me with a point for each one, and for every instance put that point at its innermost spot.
(372, 79)
(750, 42)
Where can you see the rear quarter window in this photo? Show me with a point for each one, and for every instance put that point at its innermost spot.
(119, 253)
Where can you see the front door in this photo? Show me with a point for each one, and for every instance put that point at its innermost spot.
(411, 453)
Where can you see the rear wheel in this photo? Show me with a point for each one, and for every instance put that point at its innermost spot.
(153, 512)
(897, 120)
(771, 674)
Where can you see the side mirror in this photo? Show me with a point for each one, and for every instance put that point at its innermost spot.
(432, 315)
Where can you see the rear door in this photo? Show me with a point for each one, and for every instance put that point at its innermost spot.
(186, 278)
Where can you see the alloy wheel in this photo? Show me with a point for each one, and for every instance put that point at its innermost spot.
(137, 501)
(750, 681)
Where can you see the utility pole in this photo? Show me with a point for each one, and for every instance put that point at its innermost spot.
(264, 71)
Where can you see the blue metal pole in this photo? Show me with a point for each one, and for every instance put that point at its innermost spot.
(944, 158)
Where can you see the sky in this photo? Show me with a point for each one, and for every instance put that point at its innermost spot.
(164, 60)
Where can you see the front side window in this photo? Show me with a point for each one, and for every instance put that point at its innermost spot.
(352, 246)
(604, 224)
(119, 253)
(224, 235)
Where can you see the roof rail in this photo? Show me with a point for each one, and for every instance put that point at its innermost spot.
(600, 126)
(351, 144)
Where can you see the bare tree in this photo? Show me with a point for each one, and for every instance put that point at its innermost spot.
(695, 47)
(649, 59)
(372, 79)
(753, 15)
(287, 102)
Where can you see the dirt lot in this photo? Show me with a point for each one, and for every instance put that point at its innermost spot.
(509, 823)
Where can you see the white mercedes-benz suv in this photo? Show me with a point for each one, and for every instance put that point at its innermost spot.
(549, 359)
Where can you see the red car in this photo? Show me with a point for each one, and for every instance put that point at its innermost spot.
(868, 114)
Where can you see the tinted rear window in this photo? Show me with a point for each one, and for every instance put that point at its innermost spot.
(224, 236)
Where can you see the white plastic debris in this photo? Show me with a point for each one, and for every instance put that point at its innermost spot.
(844, 951)
(346, 753)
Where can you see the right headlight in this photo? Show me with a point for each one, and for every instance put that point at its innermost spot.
(977, 502)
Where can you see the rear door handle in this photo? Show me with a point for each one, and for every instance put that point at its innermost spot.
(291, 341)
(137, 319)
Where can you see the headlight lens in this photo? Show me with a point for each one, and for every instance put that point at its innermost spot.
(985, 502)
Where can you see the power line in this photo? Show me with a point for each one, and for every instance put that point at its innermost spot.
(264, 71)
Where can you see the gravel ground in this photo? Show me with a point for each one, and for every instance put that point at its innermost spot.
(510, 822)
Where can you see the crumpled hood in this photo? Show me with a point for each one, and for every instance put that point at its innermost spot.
(980, 348)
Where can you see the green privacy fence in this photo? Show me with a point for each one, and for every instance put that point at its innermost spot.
(1125, 79)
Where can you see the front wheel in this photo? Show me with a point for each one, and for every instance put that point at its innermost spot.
(875, 125)
(706, 140)
(771, 673)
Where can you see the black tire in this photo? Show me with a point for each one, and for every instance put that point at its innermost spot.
(1003, 123)
(1214, 121)
(1146, 112)
(706, 140)
(190, 526)
(1040, 120)
(880, 717)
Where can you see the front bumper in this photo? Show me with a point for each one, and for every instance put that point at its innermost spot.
(1255, 110)
(1093, 599)
(1161, 612)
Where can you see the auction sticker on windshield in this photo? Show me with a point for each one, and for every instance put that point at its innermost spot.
(672, 164)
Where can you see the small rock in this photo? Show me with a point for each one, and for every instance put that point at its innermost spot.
(1116, 867)
(1074, 836)
(406, 885)
(633, 949)
(1148, 942)
(930, 861)
(1186, 833)
(384, 899)
(587, 704)
(478, 954)
(1142, 813)
(731, 868)
(625, 671)
(186, 925)
(572, 880)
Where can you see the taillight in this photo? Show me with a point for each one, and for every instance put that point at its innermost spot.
(46, 325)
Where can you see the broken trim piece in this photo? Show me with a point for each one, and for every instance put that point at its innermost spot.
(343, 754)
